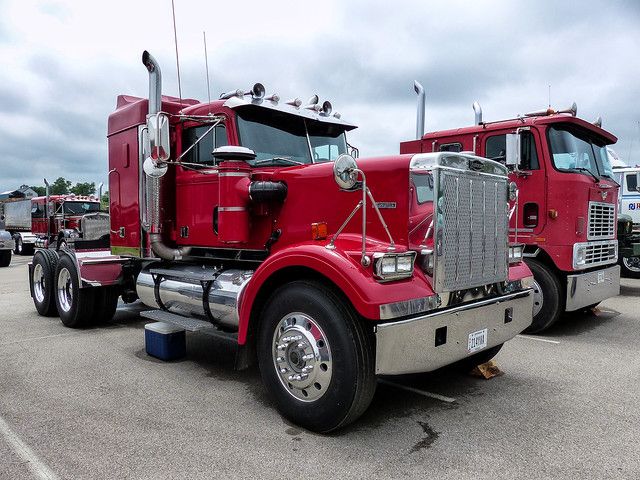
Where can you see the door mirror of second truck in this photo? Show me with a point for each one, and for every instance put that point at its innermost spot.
(157, 138)
(512, 146)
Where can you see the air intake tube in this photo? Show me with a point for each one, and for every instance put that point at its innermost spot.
(153, 194)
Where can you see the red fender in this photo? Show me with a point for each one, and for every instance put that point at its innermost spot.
(356, 282)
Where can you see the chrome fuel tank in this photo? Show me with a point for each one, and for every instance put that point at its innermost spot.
(194, 290)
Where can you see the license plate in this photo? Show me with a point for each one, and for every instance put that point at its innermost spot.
(600, 277)
(477, 341)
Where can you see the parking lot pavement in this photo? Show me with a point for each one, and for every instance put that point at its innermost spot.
(91, 404)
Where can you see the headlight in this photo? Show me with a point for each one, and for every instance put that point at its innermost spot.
(515, 253)
(579, 256)
(393, 266)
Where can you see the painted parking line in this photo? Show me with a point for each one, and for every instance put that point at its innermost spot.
(424, 393)
(38, 468)
(545, 340)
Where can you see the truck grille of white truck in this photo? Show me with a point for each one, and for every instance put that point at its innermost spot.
(602, 221)
(473, 248)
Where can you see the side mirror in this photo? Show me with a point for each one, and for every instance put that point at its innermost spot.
(638, 181)
(512, 145)
(345, 171)
(157, 139)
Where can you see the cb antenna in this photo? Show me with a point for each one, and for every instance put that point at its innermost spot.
(206, 62)
(549, 96)
(175, 38)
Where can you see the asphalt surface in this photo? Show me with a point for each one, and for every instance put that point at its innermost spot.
(91, 404)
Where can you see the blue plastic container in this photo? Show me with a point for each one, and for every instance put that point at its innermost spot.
(164, 341)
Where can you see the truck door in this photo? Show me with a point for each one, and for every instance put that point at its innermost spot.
(530, 179)
(197, 186)
(630, 203)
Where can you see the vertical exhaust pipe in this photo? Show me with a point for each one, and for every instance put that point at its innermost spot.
(46, 209)
(421, 106)
(478, 111)
(152, 184)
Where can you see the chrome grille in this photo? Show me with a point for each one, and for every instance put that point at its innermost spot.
(600, 253)
(472, 249)
(601, 221)
(94, 225)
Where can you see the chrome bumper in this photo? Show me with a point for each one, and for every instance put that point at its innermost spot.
(585, 289)
(409, 346)
(6, 241)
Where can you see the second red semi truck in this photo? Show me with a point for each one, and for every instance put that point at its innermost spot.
(567, 201)
(247, 218)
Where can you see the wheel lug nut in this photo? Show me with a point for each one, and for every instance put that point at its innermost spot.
(308, 356)
(282, 346)
(284, 370)
(279, 359)
(308, 368)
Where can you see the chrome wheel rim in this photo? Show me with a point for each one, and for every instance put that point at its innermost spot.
(632, 263)
(65, 290)
(302, 357)
(19, 245)
(39, 283)
(538, 299)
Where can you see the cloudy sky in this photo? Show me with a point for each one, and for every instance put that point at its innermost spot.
(64, 62)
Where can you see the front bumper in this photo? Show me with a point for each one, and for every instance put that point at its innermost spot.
(586, 289)
(409, 346)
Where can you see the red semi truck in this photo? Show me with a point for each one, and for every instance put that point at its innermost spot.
(567, 201)
(326, 270)
(36, 222)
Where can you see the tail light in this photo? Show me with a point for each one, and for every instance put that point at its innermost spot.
(530, 215)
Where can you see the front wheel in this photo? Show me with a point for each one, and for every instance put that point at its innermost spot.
(630, 267)
(547, 298)
(315, 357)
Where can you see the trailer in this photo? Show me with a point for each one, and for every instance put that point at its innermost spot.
(247, 217)
(17, 220)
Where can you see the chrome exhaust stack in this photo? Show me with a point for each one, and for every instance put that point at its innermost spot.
(477, 109)
(419, 89)
(152, 183)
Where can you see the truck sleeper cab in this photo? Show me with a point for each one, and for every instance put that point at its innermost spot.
(327, 270)
(567, 202)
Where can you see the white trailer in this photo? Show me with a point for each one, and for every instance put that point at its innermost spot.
(16, 215)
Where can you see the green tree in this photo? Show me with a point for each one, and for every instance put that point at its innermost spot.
(86, 188)
(104, 202)
(60, 187)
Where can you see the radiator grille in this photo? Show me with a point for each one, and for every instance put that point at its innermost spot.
(94, 225)
(599, 253)
(473, 220)
(601, 221)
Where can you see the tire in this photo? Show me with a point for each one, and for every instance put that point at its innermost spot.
(75, 305)
(43, 282)
(106, 304)
(18, 246)
(307, 318)
(5, 258)
(469, 363)
(630, 266)
(547, 297)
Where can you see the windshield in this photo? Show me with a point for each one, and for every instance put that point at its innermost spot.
(80, 208)
(285, 139)
(574, 151)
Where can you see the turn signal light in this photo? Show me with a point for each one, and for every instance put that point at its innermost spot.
(319, 231)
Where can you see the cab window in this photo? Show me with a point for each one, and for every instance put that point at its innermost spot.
(202, 152)
(632, 183)
(451, 147)
(495, 149)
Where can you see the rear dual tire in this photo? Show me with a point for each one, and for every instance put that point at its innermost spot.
(43, 282)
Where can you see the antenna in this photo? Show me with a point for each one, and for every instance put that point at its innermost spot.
(175, 38)
(206, 62)
(549, 96)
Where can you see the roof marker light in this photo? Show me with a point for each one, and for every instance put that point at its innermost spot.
(337, 115)
(275, 98)
(326, 108)
(598, 122)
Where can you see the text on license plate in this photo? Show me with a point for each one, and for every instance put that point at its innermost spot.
(600, 277)
(477, 341)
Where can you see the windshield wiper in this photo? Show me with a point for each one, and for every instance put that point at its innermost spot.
(277, 159)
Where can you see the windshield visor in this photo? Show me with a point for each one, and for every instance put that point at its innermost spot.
(575, 151)
(289, 137)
